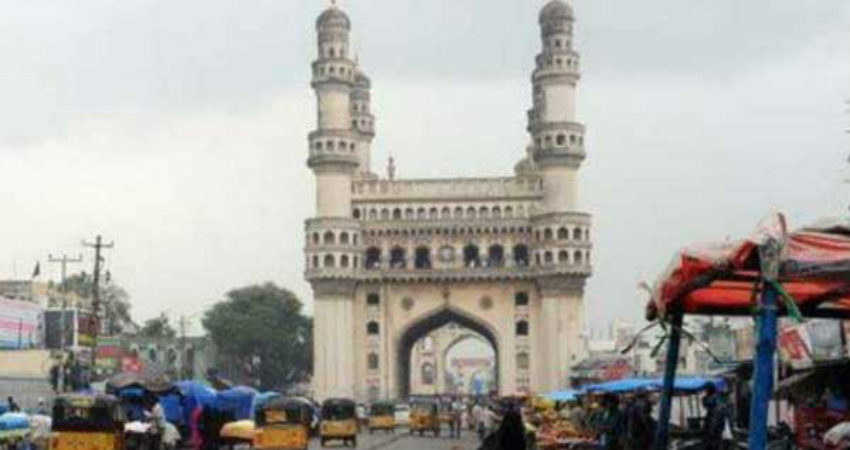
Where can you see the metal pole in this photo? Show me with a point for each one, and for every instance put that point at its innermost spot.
(63, 288)
(763, 373)
(673, 345)
(770, 255)
(98, 246)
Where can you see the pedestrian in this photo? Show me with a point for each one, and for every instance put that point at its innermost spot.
(478, 417)
(716, 417)
(12, 406)
(611, 426)
(511, 433)
(640, 427)
(54, 377)
(156, 416)
(457, 417)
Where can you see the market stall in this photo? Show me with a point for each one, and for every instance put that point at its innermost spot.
(805, 273)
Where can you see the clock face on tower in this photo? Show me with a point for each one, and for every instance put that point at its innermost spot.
(447, 254)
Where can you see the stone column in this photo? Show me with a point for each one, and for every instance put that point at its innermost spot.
(561, 298)
(334, 372)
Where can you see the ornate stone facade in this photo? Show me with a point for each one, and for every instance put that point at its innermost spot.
(392, 260)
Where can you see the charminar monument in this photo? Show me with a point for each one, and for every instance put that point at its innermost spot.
(391, 260)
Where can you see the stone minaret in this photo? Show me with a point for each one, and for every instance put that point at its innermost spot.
(363, 122)
(333, 237)
(557, 151)
(557, 138)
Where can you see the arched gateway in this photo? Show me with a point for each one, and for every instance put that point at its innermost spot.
(444, 316)
(390, 259)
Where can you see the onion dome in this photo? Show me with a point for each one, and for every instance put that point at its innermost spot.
(361, 80)
(333, 17)
(556, 10)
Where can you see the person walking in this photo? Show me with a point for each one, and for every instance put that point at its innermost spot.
(457, 418)
(716, 417)
(511, 433)
(611, 427)
(640, 427)
(478, 417)
(12, 406)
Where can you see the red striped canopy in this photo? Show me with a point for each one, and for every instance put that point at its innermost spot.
(724, 278)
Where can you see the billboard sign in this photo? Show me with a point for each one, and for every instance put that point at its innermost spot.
(20, 324)
(826, 339)
(53, 328)
(794, 345)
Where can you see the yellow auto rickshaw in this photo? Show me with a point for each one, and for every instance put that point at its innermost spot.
(382, 417)
(425, 416)
(240, 432)
(283, 424)
(339, 422)
(92, 422)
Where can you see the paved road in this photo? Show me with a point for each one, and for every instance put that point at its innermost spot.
(403, 441)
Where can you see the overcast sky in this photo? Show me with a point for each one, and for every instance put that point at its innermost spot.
(178, 128)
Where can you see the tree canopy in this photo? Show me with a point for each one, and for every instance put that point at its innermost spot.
(158, 328)
(115, 301)
(263, 327)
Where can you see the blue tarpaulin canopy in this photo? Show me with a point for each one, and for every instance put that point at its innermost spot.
(567, 395)
(262, 398)
(196, 394)
(237, 401)
(14, 421)
(681, 385)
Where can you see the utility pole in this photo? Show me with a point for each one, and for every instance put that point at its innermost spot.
(98, 246)
(182, 346)
(63, 288)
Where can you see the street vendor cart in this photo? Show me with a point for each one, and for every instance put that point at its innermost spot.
(773, 272)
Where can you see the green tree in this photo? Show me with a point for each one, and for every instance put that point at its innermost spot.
(263, 326)
(114, 300)
(158, 328)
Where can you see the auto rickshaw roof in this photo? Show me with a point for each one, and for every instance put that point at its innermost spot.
(87, 400)
(287, 402)
(339, 402)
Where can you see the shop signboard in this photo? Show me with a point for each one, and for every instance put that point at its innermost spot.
(20, 324)
(826, 339)
(131, 364)
(794, 346)
(53, 328)
(744, 343)
(86, 326)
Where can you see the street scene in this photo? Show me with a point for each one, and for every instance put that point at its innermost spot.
(402, 225)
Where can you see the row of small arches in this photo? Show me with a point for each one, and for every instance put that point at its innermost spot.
(331, 238)
(448, 231)
(559, 140)
(471, 258)
(560, 62)
(332, 70)
(562, 234)
(557, 43)
(363, 124)
(331, 145)
(332, 52)
(433, 213)
(422, 257)
(330, 261)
